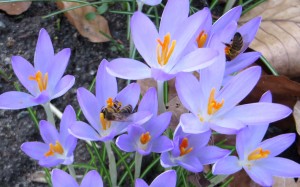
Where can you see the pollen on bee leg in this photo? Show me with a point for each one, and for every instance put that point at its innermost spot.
(110, 102)
(105, 124)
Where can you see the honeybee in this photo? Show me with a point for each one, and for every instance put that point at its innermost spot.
(232, 50)
(115, 112)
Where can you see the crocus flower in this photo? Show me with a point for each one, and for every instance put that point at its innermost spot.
(44, 81)
(167, 178)
(191, 151)
(213, 106)
(164, 51)
(62, 179)
(149, 2)
(258, 158)
(148, 137)
(106, 93)
(58, 147)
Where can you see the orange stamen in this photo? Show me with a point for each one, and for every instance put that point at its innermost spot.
(145, 138)
(201, 39)
(57, 148)
(258, 153)
(213, 105)
(41, 81)
(163, 51)
(105, 123)
(183, 147)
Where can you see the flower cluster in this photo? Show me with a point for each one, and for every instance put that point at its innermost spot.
(183, 44)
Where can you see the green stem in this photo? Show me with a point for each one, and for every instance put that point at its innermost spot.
(112, 164)
(50, 117)
(166, 99)
(269, 66)
(72, 171)
(138, 164)
(160, 94)
(227, 182)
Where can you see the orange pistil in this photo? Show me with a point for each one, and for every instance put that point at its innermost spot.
(213, 105)
(201, 39)
(41, 81)
(163, 51)
(57, 148)
(145, 138)
(183, 147)
(258, 153)
(105, 123)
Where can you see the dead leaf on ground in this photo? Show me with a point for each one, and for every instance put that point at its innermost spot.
(87, 28)
(296, 114)
(16, 8)
(175, 106)
(285, 182)
(278, 38)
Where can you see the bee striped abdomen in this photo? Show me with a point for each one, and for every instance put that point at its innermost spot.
(232, 50)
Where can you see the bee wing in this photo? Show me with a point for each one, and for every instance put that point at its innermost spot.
(120, 116)
(126, 109)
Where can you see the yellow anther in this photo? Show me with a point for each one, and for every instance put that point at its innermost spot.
(110, 102)
(105, 123)
(57, 148)
(183, 147)
(201, 39)
(145, 138)
(213, 105)
(163, 51)
(258, 153)
(41, 81)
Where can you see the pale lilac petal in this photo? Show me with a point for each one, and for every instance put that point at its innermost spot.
(246, 141)
(129, 95)
(92, 179)
(161, 75)
(228, 32)
(229, 123)
(198, 141)
(157, 125)
(140, 183)
(223, 130)
(175, 12)
(266, 97)
(166, 161)
(42, 98)
(16, 100)
(211, 154)
(69, 145)
(150, 2)
(35, 150)
(60, 178)
(191, 124)
(83, 131)
(226, 166)
(149, 102)
(50, 161)
(162, 144)
(241, 61)
(190, 163)
(126, 143)
(68, 117)
(145, 40)
(23, 70)
(161, 179)
(126, 68)
(139, 118)
(278, 144)
(63, 86)
(106, 84)
(48, 132)
(260, 175)
(44, 52)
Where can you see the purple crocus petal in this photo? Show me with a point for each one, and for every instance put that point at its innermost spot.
(239, 87)
(44, 52)
(145, 40)
(241, 61)
(126, 142)
(50, 161)
(92, 179)
(63, 86)
(248, 31)
(133, 90)
(161, 75)
(157, 125)
(161, 179)
(166, 161)
(60, 178)
(35, 150)
(215, 153)
(48, 132)
(198, 141)
(266, 97)
(150, 2)
(68, 117)
(281, 167)
(58, 66)
(149, 102)
(263, 112)
(226, 166)
(246, 141)
(83, 131)
(191, 124)
(106, 84)
(23, 70)
(16, 100)
(190, 163)
(70, 144)
(229, 123)
(90, 106)
(260, 175)
(198, 59)
(42, 98)
(139, 118)
(223, 130)
(140, 183)
(175, 12)
(162, 144)
(278, 144)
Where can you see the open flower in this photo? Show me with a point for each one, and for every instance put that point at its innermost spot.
(104, 129)
(191, 151)
(148, 137)
(44, 81)
(167, 178)
(62, 179)
(213, 106)
(258, 158)
(164, 51)
(58, 147)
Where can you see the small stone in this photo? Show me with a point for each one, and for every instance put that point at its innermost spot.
(2, 26)
(10, 42)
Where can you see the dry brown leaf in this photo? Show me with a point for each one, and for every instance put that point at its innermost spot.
(175, 106)
(16, 8)
(89, 29)
(296, 114)
(285, 182)
(278, 38)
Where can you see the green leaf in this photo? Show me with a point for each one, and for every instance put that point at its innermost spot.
(90, 16)
(103, 8)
